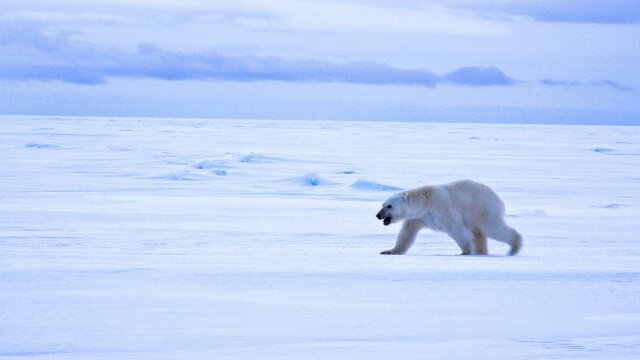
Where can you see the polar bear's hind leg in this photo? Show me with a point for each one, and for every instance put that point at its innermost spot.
(479, 245)
(500, 231)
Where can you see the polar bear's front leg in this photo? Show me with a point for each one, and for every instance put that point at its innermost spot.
(406, 237)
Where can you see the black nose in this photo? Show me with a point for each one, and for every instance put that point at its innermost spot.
(379, 215)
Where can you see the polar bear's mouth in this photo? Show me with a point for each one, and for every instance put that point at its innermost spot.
(387, 221)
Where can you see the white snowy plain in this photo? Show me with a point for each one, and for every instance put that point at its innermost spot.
(131, 238)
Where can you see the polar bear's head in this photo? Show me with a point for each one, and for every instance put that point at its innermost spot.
(394, 209)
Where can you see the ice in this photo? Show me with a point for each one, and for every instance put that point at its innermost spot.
(183, 175)
(603, 150)
(361, 184)
(252, 158)
(148, 238)
(309, 179)
(41, 146)
(210, 164)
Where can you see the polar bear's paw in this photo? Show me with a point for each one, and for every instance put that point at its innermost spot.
(516, 244)
(391, 252)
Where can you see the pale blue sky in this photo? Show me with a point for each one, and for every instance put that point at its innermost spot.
(459, 60)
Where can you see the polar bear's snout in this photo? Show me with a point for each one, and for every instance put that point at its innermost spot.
(382, 215)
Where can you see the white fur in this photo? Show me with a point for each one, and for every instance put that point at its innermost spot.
(467, 211)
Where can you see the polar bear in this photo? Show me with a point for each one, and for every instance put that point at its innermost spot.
(467, 211)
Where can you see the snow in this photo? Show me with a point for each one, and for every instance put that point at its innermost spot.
(140, 238)
(361, 184)
(309, 179)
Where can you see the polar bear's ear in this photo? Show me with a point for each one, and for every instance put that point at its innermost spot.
(405, 197)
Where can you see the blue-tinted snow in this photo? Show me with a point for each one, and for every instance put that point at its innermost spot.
(125, 242)
(366, 185)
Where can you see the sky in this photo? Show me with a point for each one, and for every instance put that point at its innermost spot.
(546, 61)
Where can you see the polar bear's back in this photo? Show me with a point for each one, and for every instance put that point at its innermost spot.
(477, 201)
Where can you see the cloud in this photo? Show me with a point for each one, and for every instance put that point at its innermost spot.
(279, 15)
(558, 11)
(583, 11)
(591, 83)
(94, 67)
(154, 62)
(26, 53)
(479, 76)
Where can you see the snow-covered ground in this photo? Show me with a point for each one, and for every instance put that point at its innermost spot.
(210, 239)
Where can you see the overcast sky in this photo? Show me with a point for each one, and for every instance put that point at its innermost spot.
(575, 61)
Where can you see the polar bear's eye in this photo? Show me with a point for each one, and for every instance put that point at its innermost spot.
(388, 206)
